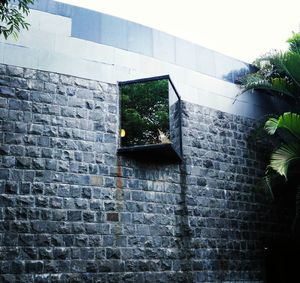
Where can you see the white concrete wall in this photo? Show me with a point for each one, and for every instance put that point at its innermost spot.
(48, 46)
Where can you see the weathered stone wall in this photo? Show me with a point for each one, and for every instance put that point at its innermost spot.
(230, 223)
(72, 211)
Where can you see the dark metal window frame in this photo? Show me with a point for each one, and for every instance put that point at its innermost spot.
(149, 147)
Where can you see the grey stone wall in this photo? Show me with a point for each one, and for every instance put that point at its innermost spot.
(72, 211)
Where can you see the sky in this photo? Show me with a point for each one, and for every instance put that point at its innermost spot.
(244, 29)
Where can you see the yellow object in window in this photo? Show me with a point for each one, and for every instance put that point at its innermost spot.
(122, 133)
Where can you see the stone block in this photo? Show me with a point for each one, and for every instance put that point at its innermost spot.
(112, 216)
(23, 162)
(14, 71)
(96, 181)
(7, 91)
(74, 215)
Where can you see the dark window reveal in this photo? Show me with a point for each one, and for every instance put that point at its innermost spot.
(145, 113)
(150, 115)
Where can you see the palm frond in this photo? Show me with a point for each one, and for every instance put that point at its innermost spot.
(294, 43)
(275, 60)
(290, 62)
(264, 186)
(289, 121)
(284, 86)
(271, 126)
(282, 158)
(257, 82)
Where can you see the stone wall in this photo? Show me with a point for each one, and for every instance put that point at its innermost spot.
(72, 211)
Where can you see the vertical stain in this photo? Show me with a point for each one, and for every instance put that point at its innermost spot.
(119, 196)
(119, 192)
(185, 230)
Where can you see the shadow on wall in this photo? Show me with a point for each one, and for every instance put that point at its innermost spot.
(274, 249)
(235, 75)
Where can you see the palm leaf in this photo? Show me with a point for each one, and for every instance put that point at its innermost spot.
(277, 85)
(290, 62)
(289, 121)
(284, 86)
(264, 186)
(271, 126)
(283, 157)
(294, 43)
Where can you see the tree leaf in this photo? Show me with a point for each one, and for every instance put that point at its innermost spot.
(277, 85)
(12, 17)
(291, 61)
(283, 157)
(271, 126)
(289, 121)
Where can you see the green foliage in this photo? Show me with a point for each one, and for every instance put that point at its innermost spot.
(278, 73)
(289, 121)
(289, 152)
(294, 43)
(285, 160)
(144, 110)
(12, 16)
(283, 157)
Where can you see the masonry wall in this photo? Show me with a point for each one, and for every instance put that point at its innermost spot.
(72, 211)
